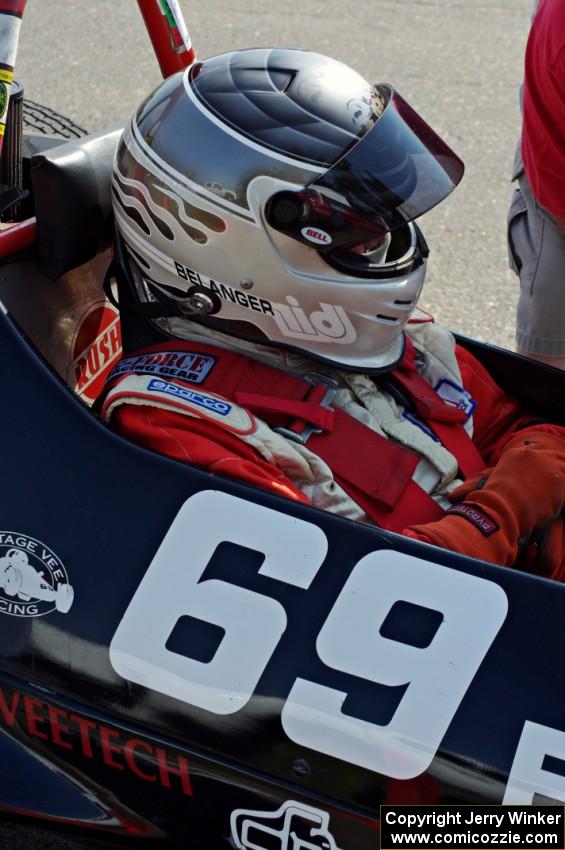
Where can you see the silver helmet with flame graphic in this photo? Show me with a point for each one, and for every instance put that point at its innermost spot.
(270, 194)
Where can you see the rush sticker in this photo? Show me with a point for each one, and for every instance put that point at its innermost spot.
(96, 346)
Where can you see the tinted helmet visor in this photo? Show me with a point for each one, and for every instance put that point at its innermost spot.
(395, 173)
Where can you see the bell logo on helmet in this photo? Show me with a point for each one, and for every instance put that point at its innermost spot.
(317, 236)
(328, 324)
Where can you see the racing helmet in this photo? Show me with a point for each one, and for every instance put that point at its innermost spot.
(270, 194)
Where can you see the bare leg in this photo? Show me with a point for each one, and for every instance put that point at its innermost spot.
(558, 362)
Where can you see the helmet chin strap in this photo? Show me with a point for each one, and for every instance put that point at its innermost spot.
(198, 303)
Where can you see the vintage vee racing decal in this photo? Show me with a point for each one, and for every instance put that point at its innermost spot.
(33, 579)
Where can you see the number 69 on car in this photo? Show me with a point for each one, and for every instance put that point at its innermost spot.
(470, 611)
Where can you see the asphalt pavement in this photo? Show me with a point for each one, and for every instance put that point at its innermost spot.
(458, 62)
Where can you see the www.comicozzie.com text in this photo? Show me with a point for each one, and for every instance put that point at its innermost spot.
(464, 827)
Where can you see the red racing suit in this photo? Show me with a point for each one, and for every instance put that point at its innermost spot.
(434, 450)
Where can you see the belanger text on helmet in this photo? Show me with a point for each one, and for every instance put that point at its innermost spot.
(250, 302)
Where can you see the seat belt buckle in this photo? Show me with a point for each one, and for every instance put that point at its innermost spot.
(317, 379)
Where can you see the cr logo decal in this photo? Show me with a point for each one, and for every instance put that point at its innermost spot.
(293, 826)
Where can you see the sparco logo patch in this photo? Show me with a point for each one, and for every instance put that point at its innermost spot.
(33, 580)
(185, 365)
(208, 402)
(95, 348)
(293, 826)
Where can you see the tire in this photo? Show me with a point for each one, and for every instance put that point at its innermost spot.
(46, 121)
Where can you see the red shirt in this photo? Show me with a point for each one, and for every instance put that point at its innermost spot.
(543, 130)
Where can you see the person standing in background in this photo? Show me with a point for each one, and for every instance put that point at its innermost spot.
(536, 219)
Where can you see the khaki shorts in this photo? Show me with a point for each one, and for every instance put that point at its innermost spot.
(536, 252)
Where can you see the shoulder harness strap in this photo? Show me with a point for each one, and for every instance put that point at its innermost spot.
(374, 471)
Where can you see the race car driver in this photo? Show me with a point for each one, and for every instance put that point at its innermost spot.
(269, 268)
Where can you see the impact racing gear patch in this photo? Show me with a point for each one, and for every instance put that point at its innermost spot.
(476, 516)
